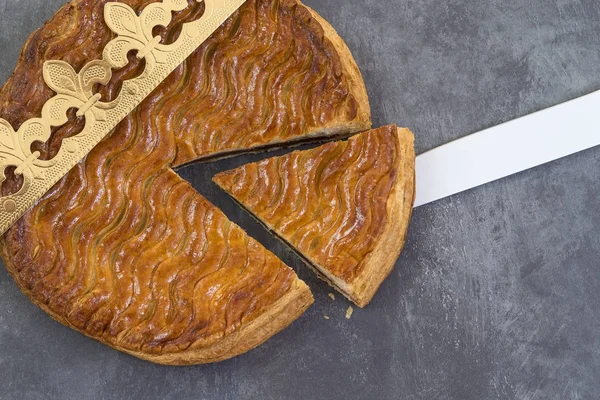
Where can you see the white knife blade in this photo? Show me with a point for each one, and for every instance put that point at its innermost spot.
(509, 148)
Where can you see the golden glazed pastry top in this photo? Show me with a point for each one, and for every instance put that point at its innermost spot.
(330, 203)
(121, 248)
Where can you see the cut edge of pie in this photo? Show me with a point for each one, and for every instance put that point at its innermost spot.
(380, 261)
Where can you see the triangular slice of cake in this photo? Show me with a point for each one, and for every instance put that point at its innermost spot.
(344, 206)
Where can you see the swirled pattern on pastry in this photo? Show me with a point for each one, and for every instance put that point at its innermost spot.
(345, 206)
(274, 73)
(122, 249)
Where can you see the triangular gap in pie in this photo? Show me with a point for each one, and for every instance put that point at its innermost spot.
(123, 250)
(344, 206)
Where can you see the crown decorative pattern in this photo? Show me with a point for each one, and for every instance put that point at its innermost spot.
(76, 90)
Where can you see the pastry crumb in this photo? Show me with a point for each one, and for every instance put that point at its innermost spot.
(332, 296)
(349, 312)
(325, 316)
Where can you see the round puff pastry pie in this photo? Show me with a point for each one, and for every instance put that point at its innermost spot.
(122, 249)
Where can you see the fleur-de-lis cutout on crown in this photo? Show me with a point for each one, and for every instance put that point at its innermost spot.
(76, 89)
(15, 151)
(135, 33)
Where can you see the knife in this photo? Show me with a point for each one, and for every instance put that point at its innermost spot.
(509, 148)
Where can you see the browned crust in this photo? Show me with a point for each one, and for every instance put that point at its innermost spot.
(357, 83)
(379, 264)
(339, 127)
(283, 312)
(334, 127)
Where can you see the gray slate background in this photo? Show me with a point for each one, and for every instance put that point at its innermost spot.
(497, 294)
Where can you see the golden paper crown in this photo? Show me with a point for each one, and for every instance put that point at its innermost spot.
(75, 90)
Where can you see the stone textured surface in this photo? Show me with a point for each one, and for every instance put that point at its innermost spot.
(497, 293)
